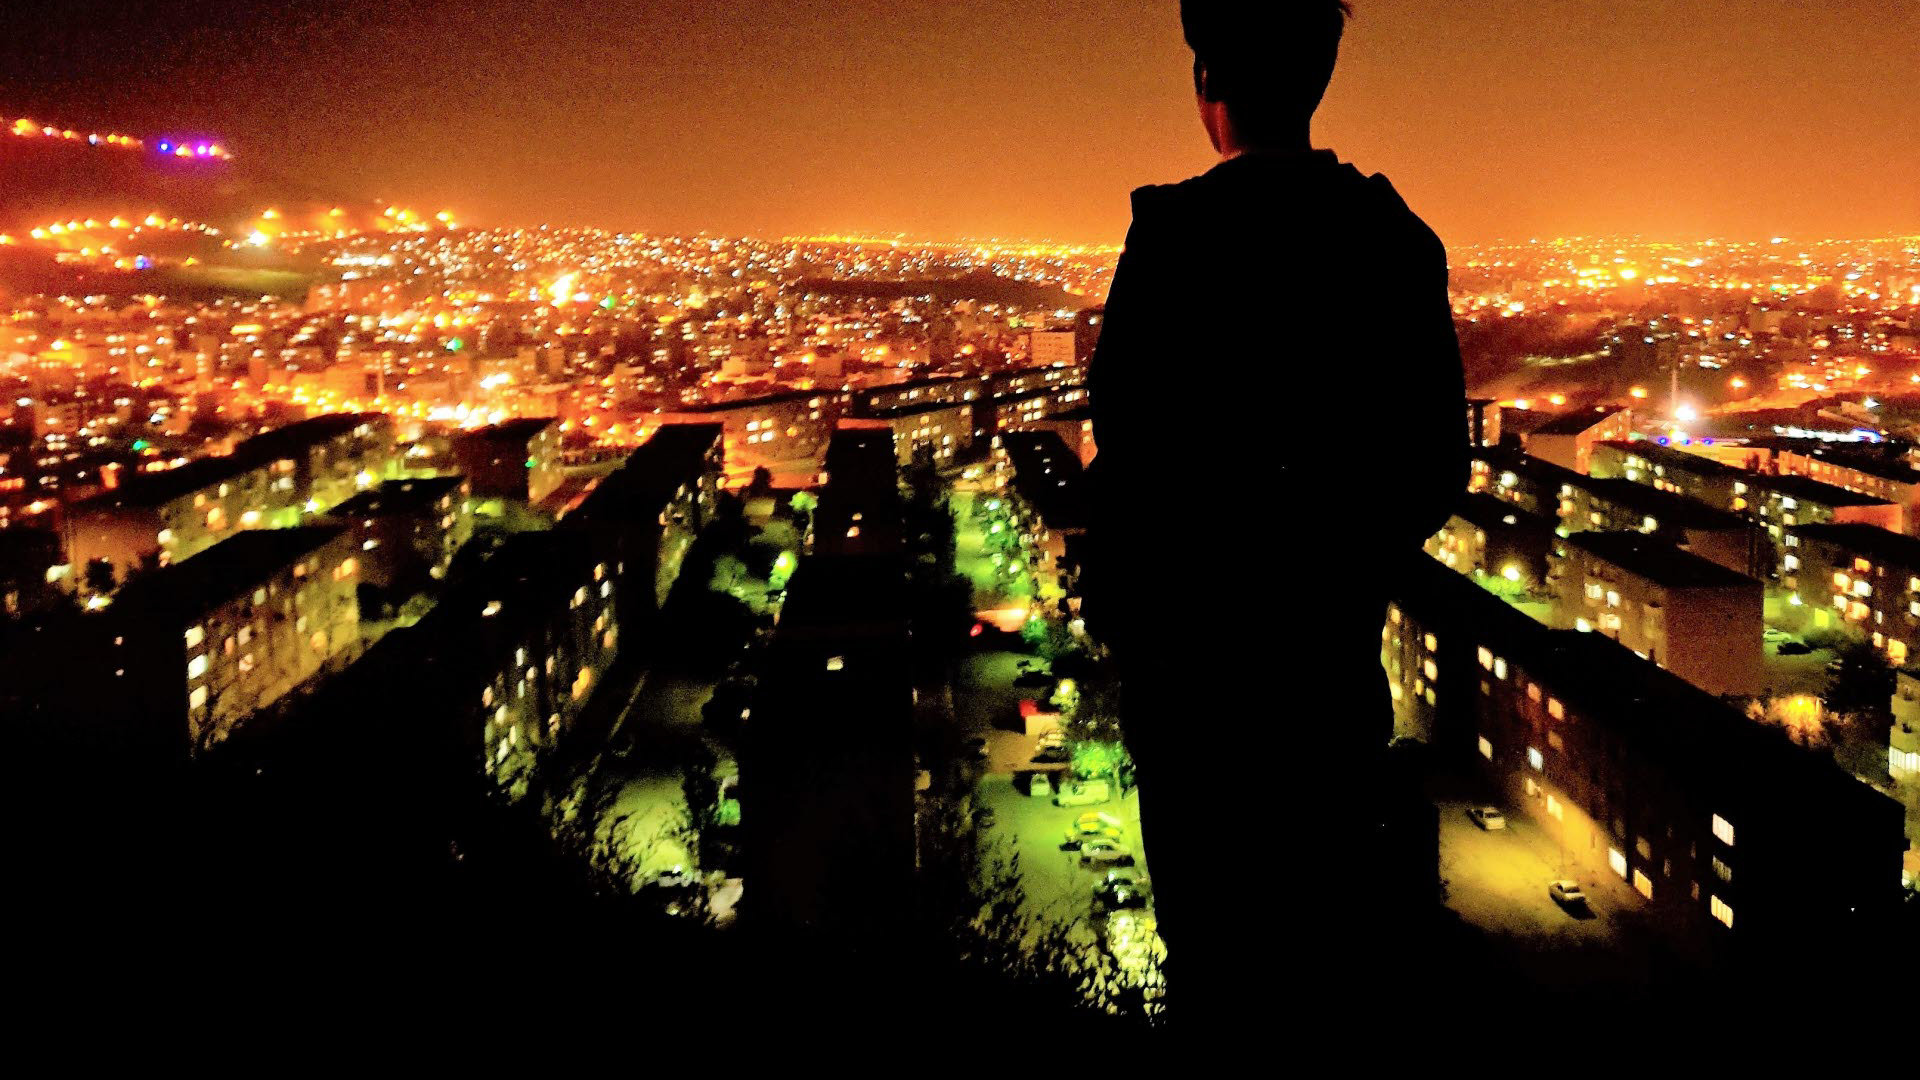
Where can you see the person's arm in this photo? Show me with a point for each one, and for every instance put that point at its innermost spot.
(1119, 390)
(1436, 384)
(1116, 373)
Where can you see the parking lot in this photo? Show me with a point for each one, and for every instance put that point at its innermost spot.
(1497, 882)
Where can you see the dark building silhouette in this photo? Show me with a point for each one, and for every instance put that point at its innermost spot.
(827, 766)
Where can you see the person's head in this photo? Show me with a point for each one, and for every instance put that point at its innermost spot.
(1260, 67)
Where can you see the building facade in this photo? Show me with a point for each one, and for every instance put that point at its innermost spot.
(269, 481)
(1695, 618)
(201, 646)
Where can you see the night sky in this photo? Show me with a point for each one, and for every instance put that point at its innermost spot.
(1012, 118)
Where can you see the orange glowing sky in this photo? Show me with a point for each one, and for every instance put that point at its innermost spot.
(1015, 118)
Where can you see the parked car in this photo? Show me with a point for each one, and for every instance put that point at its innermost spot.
(1105, 852)
(1052, 755)
(1099, 816)
(1039, 787)
(1567, 894)
(1774, 633)
(1082, 831)
(1033, 680)
(1794, 648)
(1117, 892)
(1488, 818)
(1082, 794)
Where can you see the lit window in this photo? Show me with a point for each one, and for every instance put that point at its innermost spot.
(1721, 870)
(1618, 861)
(1433, 643)
(1643, 884)
(195, 635)
(197, 666)
(246, 663)
(1721, 910)
(1536, 759)
(1486, 658)
(1432, 669)
(1486, 748)
(1533, 692)
(1499, 668)
(198, 698)
(1554, 809)
(580, 596)
(836, 663)
(1723, 830)
(1555, 709)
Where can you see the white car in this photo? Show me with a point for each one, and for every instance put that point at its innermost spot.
(1105, 852)
(1567, 893)
(1488, 818)
(1087, 794)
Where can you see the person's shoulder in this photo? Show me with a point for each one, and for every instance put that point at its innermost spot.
(1393, 209)
(1157, 200)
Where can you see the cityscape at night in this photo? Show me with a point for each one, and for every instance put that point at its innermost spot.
(528, 548)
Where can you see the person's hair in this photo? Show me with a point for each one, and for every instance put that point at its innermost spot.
(1269, 61)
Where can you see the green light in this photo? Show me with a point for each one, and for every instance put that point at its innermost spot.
(607, 304)
(455, 344)
(140, 444)
(529, 463)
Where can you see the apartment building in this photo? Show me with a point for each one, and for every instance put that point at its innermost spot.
(407, 531)
(1724, 833)
(272, 480)
(1856, 578)
(200, 646)
(1695, 618)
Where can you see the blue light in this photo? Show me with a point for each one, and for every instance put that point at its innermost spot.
(143, 263)
(166, 148)
(1664, 441)
(1706, 442)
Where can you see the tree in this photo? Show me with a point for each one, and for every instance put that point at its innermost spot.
(100, 576)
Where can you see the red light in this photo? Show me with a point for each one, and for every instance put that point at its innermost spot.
(977, 630)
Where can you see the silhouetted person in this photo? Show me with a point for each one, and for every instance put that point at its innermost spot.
(1280, 414)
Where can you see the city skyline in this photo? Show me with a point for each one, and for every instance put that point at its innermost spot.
(1497, 120)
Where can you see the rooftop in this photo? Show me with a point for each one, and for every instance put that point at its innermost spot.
(518, 430)
(1675, 459)
(1871, 541)
(400, 497)
(1807, 489)
(1658, 561)
(156, 489)
(227, 570)
(1663, 506)
(1574, 423)
(1488, 512)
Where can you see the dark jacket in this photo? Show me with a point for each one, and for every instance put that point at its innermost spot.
(1277, 400)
